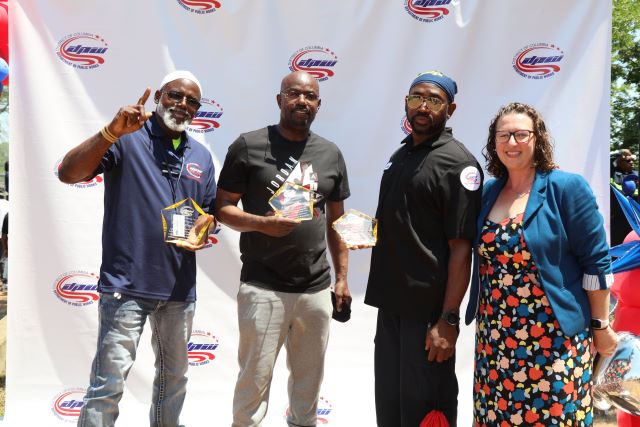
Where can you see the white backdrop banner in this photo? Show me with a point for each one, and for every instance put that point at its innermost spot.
(74, 63)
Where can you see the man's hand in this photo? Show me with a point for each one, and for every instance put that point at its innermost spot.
(343, 295)
(193, 243)
(605, 341)
(440, 341)
(277, 226)
(130, 118)
(226, 207)
(184, 244)
(81, 163)
(356, 247)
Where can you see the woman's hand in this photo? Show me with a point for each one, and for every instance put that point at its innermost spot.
(605, 341)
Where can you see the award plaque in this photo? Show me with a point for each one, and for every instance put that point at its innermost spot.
(616, 378)
(293, 201)
(185, 222)
(356, 229)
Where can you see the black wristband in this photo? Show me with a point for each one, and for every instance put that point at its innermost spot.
(599, 324)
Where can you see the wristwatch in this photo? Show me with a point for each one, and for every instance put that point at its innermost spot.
(451, 317)
(599, 323)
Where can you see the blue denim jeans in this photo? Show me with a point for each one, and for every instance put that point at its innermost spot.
(121, 322)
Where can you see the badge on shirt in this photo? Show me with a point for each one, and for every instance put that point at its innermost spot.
(470, 178)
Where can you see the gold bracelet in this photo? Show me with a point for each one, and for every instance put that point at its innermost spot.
(108, 135)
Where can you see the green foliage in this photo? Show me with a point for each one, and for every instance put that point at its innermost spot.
(625, 75)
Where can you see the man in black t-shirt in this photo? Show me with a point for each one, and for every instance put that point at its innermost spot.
(284, 291)
(420, 268)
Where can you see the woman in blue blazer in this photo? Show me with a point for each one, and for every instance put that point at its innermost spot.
(540, 293)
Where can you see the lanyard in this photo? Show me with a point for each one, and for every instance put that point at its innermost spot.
(168, 171)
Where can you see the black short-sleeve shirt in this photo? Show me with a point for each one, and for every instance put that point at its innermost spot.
(257, 164)
(429, 194)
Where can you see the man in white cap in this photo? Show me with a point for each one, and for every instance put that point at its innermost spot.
(149, 163)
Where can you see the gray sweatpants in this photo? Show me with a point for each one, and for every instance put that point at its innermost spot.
(268, 319)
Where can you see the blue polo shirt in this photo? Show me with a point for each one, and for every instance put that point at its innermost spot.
(143, 174)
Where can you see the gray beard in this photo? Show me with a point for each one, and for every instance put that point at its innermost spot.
(169, 121)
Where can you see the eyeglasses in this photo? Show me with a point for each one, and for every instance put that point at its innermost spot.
(174, 95)
(416, 101)
(292, 94)
(521, 136)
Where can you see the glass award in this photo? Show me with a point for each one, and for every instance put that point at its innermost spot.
(185, 222)
(293, 201)
(356, 229)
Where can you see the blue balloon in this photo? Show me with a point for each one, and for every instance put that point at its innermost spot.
(628, 187)
(4, 69)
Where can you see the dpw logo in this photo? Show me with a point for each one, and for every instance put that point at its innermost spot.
(427, 10)
(324, 410)
(82, 50)
(538, 61)
(85, 184)
(77, 288)
(200, 6)
(67, 404)
(206, 119)
(315, 60)
(201, 347)
(405, 126)
(212, 239)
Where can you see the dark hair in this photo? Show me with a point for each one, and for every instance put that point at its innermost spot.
(543, 151)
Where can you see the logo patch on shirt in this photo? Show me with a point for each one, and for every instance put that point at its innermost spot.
(194, 171)
(387, 166)
(470, 178)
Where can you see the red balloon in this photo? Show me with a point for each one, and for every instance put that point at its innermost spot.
(625, 288)
(4, 32)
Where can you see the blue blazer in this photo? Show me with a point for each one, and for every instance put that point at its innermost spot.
(565, 236)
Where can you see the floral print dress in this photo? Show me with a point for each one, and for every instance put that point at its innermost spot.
(527, 372)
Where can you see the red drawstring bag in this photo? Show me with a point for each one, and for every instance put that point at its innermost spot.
(434, 419)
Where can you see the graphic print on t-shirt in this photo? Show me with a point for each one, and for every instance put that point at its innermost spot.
(295, 172)
(301, 174)
(304, 176)
(282, 175)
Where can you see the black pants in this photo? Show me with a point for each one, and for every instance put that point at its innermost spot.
(407, 385)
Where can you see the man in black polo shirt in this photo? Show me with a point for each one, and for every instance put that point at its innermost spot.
(420, 267)
(149, 163)
(284, 291)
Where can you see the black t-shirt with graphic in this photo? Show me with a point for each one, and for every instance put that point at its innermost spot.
(258, 163)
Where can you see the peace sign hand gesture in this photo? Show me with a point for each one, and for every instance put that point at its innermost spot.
(131, 117)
